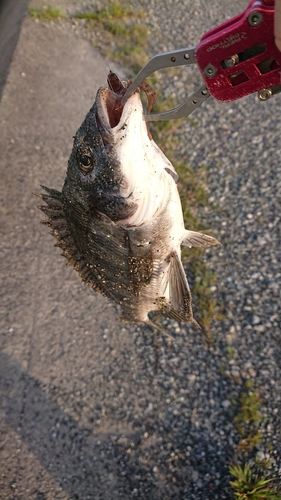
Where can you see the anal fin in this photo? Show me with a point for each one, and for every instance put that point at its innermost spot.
(179, 305)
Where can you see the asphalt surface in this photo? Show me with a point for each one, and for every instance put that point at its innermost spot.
(84, 413)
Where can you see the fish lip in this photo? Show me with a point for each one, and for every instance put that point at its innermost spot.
(111, 114)
(110, 195)
(115, 196)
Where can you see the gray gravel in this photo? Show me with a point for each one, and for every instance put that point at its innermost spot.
(90, 415)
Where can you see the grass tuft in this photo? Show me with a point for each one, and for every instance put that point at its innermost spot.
(247, 418)
(45, 14)
(123, 38)
(248, 415)
(249, 485)
(252, 480)
(114, 9)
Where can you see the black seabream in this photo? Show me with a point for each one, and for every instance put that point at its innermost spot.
(118, 219)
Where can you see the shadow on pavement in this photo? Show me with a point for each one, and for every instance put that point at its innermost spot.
(69, 453)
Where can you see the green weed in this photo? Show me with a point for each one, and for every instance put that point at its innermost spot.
(248, 417)
(246, 444)
(231, 351)
(114, 9)
(222, 368)
(124, 38)
(249, 410)
(45, 14)
(248, 485)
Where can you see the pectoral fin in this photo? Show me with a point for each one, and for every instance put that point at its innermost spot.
(194, 239)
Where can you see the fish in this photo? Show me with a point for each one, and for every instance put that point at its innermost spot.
(118, 219)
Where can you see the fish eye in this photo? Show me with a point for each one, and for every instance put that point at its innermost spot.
(86, 164)
(86, 161)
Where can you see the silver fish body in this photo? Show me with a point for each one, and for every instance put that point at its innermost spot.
(119, 219)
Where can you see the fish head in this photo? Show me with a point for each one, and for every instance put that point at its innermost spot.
(95, 175)
(114, 157)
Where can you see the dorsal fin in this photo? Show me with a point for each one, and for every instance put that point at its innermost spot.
(58, 223)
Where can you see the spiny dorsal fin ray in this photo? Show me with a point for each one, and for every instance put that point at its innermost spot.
(53, 192)
(194, 239)
(54, 222)
(51, 211)
(58, 223)
(50, 200)
(61, 233)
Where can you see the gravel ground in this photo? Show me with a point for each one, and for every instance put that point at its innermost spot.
(116, 428)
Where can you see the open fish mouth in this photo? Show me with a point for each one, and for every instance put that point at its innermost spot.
(110, 109)
(111, 114)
